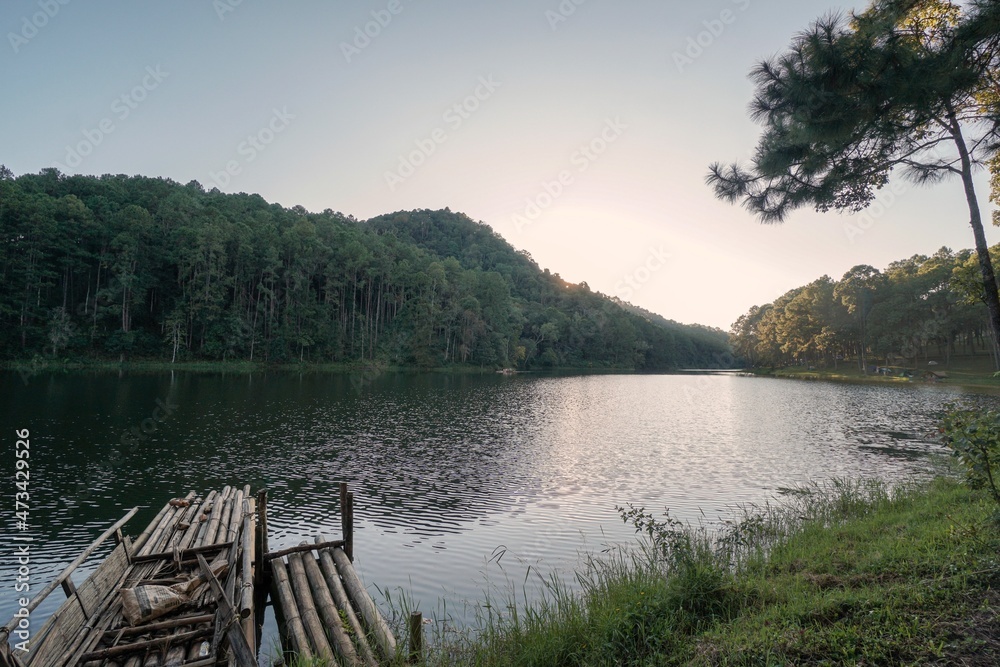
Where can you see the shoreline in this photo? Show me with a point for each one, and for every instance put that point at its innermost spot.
(960, 379)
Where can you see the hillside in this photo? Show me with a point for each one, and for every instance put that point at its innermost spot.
(147, 268)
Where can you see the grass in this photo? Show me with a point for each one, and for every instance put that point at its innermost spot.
(851, 573)
(964, 371)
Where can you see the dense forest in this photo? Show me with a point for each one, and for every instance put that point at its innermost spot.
(921, 308)
(117, 267)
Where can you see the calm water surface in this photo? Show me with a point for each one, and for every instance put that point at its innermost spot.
(448, 471)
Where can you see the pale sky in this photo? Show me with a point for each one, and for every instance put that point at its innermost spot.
(580, 130)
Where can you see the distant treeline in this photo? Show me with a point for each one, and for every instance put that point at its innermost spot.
(146, 268)
(918, 308)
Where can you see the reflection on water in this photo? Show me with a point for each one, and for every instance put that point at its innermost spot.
(445, 468)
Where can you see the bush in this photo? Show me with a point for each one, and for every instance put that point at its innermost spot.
(974, 438)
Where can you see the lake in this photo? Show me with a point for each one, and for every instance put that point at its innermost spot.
(460, 481)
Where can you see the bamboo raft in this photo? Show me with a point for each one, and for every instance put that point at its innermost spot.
(214, 550)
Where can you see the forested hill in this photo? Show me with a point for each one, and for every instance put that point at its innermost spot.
(917, 309)
(147, 268)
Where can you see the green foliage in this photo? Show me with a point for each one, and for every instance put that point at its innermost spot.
(148, 269)
(918, 308)
(974, 438)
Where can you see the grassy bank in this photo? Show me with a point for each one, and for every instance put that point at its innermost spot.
(973, 372)
(845, 574)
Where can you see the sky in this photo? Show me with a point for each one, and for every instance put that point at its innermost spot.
(580, 130)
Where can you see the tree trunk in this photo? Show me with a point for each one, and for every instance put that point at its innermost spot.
(990, 293)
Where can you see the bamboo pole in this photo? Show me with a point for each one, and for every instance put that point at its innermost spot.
(85, 640)
(184, 554)
(307, 609)
(304, 547)
(221, 527)
(286, 600)
(349, 538)
(185, 518)
(216, 515)
(161, 534)
(191, 534)
(246, 562)
(65, 574)
(237, 642)
(162, 625)
(328, 611)
(344, 603)
(344, 515)
(247, 576)
(145, 535)
(261, 581)
(235, 518)
(364, 604)
(136, 647)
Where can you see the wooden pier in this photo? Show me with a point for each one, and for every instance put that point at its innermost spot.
(191, 589)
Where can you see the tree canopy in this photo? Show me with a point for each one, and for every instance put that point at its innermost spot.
(146, 268)
(906, 85)
(920, 308)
